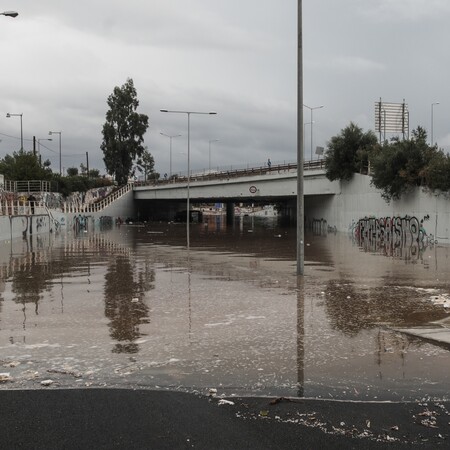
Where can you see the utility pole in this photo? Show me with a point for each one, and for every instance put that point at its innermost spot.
(300, 157)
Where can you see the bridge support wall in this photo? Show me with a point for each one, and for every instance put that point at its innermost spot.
(158, 210)
(359, 208)
(230, 213)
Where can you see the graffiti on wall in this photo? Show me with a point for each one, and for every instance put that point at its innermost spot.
(404, 237)
(405, 229)
(40, 223)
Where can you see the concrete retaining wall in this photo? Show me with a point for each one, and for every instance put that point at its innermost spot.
(350, 210)
(12, 227)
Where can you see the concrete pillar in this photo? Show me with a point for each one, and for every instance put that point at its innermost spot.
(230, 213)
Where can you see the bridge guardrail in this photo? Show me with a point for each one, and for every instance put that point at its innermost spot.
(17, 206)
(99, 205)
(27, 186)
(262, 170)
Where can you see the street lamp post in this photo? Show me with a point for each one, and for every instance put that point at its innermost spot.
(12, 14)
(312, 108)
(39, 146)
(188, 113)
(300, 149)
(432, 122)
(304, 131)
(209, 153)
(170, 137)
(60, 155)
(21, 127)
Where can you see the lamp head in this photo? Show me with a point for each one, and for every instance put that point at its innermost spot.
(10, 13)
(8, 115)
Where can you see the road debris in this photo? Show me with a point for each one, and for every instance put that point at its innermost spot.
(4, 377)
(225, 402)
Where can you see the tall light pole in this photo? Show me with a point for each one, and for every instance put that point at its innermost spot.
(60, 156)
(170, 137)
(300, 149)
(188, 113)
(312, 108)
(209, 153)
(432, 122)
(39, 146)
(12, 14)
(304, 131)
(21, 127)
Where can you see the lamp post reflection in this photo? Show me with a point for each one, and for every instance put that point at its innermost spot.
(300, 336)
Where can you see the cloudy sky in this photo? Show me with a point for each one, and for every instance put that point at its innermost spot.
(61, 60)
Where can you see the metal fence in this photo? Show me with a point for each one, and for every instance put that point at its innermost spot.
(234, 173)
(27, 186)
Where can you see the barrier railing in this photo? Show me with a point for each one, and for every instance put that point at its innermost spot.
(20, 207)
(99, 205)
(208, 176)
(27, 186)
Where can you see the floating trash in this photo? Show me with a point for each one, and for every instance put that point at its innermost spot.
(4, 377)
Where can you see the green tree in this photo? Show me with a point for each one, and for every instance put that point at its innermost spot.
(437, 174)
(402, 164)
(94, 173)
(348, 153)
(23, 165)
(146, 163)
(72, 171)
(78, 183)
(123, 132)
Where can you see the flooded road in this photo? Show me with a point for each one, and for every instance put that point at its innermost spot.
(131, 307)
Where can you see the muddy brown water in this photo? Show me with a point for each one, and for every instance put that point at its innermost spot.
(131, 307)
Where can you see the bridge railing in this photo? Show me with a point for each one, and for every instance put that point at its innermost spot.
(207, 175)
(21, 208)
(12, 205)
(27, 186)
(81, 208)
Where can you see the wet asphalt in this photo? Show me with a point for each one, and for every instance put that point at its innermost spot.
(142, 419)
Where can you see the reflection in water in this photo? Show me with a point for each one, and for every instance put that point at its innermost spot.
(29, 281)
(124, 304)
(301, 336)
(230, 313)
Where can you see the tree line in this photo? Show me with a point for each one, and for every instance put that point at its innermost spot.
(25, 166)
(122, 146)
(396, 166)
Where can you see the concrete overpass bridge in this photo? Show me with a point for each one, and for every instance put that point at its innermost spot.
(354, 206)
(261, 185)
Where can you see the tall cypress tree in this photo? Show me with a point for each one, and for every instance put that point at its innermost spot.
(123, 132)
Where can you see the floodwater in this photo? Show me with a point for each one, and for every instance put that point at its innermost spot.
(130, 307)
